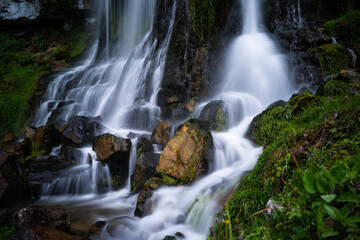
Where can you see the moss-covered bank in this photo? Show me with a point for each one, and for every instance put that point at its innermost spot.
(27, 54)
(309, 169)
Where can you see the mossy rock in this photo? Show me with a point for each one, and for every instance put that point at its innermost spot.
(208, 16)
(300, 102)
(332, 58)
(346, 27)
(186, 157)
(215, 116)
(336, 88)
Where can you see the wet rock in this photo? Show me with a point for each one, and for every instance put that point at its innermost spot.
(215, 115)
(124, 226)
(46, 137)
(78, 130)
(144, 203)
(96, 229)
(161, 134)
(13, 188)
(43, 233)
(55, 217)
(190, 106)
(188, 153)
(115, 152)
(43, 169)
(72, 155)
(145, 168)
(298, 103)
(169, 238)
(30, 134)
(144, 145)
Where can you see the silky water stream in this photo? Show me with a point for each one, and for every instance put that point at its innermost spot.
(255, 75)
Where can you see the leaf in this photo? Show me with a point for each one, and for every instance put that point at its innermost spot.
(328, 198)
(322, 185)
(338, 173)
(329, 234)
(352, 220)
(309, 182)
(348, 197)
(333, 212)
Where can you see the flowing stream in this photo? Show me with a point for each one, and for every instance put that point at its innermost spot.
(117, 89)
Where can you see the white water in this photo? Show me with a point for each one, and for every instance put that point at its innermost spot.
(255, 76)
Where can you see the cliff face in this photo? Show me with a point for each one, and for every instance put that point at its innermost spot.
(196, 49)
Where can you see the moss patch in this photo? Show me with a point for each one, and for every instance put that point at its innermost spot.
(332, 58)
(346, 27)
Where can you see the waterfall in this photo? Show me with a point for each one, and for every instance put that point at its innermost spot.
(353, 57)
(122, 87)
(255, 75)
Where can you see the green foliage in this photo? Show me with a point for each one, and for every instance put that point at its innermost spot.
(58, 52)
(6, 232)
(332, 58)
(115, 181)
(336, 88)
(221, 120)
(346, 27)
(309, 167)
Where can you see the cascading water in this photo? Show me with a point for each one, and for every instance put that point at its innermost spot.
(255, 76)
(116, 88)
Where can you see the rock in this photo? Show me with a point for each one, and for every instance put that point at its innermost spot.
(17, 150)
(11, 10)
(144, 145)
(144, 202)
(46, 137)
(54, 216)
(161, 134)
(215, 116)
(347, 74)
(115, 152)
(190, 106)
(145, 168)
(96, 229)
(78, 130)
(72, 155)
(169, 238)
(254, 125)
(30, 134)
(43, 233)
(188, 153)
(43, 169)
(7, 138)
(13, 188)
(299, 102)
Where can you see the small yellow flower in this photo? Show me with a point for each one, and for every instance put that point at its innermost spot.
(227, 221)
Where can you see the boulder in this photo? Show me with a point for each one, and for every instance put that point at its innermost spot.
(7, 138)
(188, 153)
(144, 145)
(145, 168)
(96, 229)
(162, 133)
(54, 216)
(45, 137)
(254, 125)
(144, 203)
(43, 233)
(16, 150)
(13, 188)
(11, 10)
(78, 130)
(215, 115)
(115, 152)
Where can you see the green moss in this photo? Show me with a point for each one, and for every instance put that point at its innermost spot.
(168, 180)
(336, 88)
(6, 232)
(139, 152)
(115, 181)
(221, 120)
(332, 58)
(346, 27)
(202, 16)
(58, 53)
